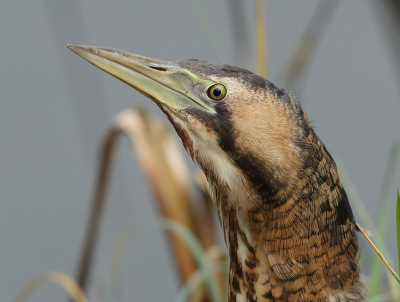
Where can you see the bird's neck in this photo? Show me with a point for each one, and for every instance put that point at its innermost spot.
(275, 257)
(301, 246)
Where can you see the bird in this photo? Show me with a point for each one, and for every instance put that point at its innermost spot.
(286, 218)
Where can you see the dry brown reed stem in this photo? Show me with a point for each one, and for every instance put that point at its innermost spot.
(364, 232)
(160, 158)
(205, 213)
(97, 207)
(262, 69)
(162, 161)
(208, 231)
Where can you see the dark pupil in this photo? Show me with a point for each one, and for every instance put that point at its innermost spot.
(217, 92)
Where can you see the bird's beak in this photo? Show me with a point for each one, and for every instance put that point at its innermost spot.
(164, 82)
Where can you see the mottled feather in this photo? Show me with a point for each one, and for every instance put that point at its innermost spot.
(285, 214)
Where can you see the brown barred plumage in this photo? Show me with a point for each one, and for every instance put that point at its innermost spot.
(286, 217)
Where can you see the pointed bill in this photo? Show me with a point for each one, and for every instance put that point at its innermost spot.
(163, 82)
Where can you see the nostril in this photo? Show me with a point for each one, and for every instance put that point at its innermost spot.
(159, 68)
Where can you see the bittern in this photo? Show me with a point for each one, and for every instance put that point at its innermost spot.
(287, 220)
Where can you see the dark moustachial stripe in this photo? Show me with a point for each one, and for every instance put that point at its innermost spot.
(263, 181)
(318, 170)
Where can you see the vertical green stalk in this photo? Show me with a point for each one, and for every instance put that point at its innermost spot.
(376, 267)
(182, 231)
(356, 200)
(398, 226)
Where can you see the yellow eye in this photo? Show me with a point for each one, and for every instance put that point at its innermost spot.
(216, 92)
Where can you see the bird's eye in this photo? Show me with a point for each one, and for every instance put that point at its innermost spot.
(216, 92)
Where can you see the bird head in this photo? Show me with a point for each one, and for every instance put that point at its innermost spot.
(238, 127)
(281, 203)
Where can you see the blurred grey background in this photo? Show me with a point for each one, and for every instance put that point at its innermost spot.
(55, 107)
